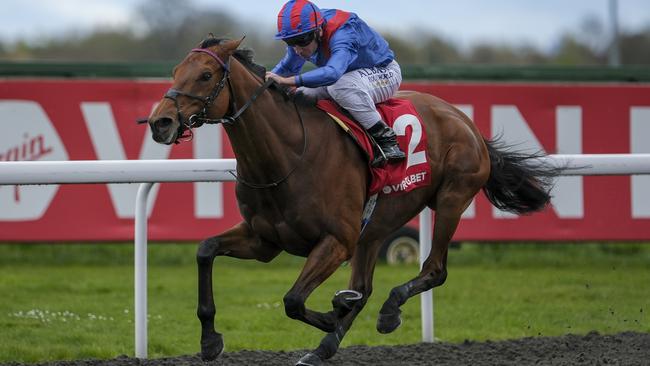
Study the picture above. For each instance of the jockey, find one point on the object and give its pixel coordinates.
(355, 66)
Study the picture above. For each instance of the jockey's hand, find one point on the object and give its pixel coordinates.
(290, 81)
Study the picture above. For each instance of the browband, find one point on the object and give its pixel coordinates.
(214, 56)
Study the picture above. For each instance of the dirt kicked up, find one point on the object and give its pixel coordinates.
(628, 348)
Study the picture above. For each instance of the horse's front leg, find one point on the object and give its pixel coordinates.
(238, 242)
(323, 260)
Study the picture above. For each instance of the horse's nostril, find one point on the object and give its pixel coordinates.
(162, 130)
(163, 122)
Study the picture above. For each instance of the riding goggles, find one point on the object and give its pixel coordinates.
(302, 40)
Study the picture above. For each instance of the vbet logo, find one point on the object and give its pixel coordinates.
(28, 135)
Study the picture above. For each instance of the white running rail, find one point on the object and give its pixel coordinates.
(148, 172)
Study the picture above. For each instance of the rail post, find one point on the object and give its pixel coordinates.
(140, 276)
(426, 298)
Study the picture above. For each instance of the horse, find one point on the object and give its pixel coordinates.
(302, 185)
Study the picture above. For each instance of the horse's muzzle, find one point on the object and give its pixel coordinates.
(163, 131)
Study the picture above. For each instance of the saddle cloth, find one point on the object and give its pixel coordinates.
(400, 114)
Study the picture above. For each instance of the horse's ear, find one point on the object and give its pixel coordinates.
(232, 45)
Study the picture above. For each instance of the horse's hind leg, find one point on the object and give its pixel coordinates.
(238, 242)
(450, 206)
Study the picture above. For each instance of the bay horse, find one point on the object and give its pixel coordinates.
(302, 185)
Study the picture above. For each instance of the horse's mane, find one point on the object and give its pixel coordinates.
(245, 56)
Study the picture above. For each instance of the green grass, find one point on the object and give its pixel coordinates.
(76, 301)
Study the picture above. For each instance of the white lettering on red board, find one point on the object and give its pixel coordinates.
(32, 136)
(27, 134)
(208, 197)
(507, 122)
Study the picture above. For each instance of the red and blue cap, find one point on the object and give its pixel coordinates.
(298, 17)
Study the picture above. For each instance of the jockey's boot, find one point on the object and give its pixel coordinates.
(386, 139)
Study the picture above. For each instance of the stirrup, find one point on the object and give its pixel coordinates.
(384, 158)
(396, 158)
(380, 158)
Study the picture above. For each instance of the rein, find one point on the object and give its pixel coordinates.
(277, 182)
(198, 119)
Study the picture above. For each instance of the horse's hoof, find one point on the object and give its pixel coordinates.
(309, 359)
(211, 346)
(344, 301)
(387, 323)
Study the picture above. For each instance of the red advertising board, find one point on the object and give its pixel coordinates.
(93, 119)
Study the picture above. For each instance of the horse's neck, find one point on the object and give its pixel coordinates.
(267, 139)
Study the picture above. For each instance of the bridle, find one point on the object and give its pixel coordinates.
(201, 118)
(198, 119)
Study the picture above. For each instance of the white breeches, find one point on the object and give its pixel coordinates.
(359, 90)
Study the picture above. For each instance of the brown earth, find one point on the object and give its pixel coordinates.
(628, 348)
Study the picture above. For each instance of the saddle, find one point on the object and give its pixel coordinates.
(402, 177)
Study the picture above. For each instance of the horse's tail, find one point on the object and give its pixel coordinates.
(519, 182)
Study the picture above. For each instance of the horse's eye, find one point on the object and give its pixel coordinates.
(206, 76)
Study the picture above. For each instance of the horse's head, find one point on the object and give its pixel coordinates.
(196, 93)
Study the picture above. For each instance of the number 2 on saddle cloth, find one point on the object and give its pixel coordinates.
(412, 172)
(390, 179)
